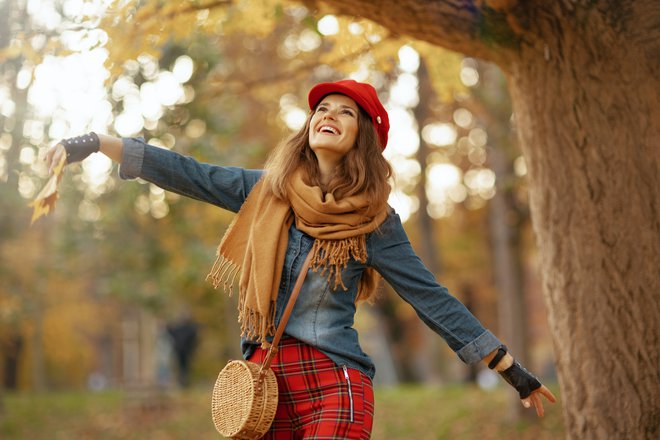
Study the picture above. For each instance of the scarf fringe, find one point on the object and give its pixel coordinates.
(254, 325)
(329, 256)
(332, 256)
(224, 271)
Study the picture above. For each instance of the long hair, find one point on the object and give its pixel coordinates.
(363, 170)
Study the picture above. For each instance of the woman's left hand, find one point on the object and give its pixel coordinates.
(528, 386)
(535, 400)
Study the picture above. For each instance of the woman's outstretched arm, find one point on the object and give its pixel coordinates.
(392, 255)
(226, 187)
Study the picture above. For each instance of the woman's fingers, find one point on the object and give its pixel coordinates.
(53, 156)
(547, 393)
(534, 399)
(538, 404)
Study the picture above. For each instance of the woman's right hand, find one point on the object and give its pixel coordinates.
(54, 156)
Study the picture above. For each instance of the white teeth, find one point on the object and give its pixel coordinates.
(327, 128)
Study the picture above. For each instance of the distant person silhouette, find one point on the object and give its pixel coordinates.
(184, 334)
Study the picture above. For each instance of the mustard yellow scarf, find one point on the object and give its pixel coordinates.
(255, 244)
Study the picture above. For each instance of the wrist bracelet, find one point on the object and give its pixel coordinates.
(79, 147)
(522, 380)
(498, 357)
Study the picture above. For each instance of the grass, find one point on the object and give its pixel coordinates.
(409, 412)
(459, 412)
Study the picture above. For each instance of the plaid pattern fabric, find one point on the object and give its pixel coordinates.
(316, 400)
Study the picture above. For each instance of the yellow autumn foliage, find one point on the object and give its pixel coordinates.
(55, 313)
(444, 67)
(359, 44)
(69, 326)
(144, 27)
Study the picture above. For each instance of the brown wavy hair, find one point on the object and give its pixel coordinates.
(363, 170)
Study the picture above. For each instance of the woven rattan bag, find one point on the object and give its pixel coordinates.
(245, 394)
(244, 404)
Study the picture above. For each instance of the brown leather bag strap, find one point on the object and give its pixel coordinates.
(273, 349)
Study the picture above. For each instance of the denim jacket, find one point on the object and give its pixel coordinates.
(322, 317)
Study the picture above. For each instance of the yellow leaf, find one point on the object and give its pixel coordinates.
(44, 203)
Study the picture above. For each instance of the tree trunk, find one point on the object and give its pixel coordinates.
(492, 107)
(507, 267)
(587, 110)
(374, 337)
(584, 81)
(427, 353)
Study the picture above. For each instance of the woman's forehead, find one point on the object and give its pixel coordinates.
(339, 99)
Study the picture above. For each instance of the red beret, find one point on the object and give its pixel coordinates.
(363, 94)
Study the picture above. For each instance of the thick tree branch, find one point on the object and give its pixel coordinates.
(487, 29)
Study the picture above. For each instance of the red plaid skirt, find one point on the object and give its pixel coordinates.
(317, 398)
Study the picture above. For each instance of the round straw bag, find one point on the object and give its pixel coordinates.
(244, 404)
(245, 393)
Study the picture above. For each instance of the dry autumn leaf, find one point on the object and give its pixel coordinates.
(44, 203)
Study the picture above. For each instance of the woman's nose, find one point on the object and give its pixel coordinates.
(330, 113)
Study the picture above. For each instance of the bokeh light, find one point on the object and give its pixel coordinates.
(328, 25)
(439, 134)
(408, 59)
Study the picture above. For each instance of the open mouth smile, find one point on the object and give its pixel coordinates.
(328, 129)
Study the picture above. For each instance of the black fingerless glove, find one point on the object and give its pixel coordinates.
(522, 380)
(79, 147)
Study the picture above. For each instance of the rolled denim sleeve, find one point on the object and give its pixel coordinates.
(226, 187)
(392, 255)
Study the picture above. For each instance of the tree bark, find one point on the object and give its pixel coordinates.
(583, 76)
(478, 28)
(585, 107)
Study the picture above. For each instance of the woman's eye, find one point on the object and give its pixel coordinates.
(348, 112)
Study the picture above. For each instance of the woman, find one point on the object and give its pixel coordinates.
(323, 191)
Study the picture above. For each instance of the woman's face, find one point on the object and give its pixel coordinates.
(333, 128)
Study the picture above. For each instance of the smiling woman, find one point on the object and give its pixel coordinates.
(333, 130)
(321, 199)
